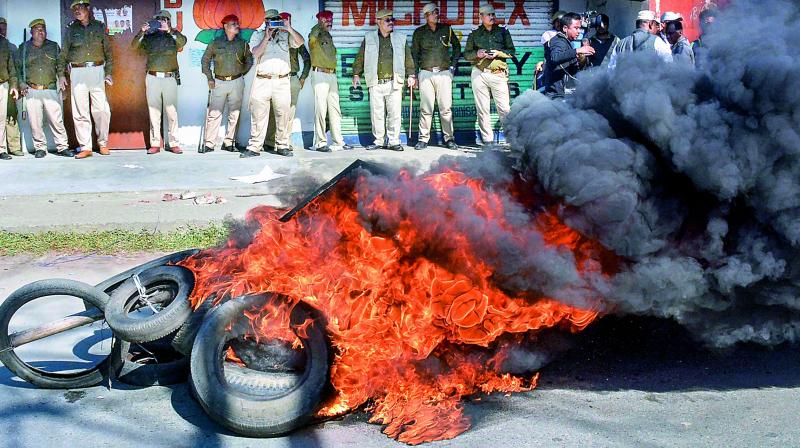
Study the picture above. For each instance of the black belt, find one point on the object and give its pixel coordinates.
(272, 76)
(86, 64)
(292, 73)
(229, 78)
(4, 81)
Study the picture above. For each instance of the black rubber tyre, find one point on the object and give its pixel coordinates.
(55, 380)
(174, 371)
(184, 338)
(108, 285)
(168, 320)
(260, 383)
(255, 412)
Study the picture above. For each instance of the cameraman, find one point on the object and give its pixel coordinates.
(603, 42)
(561, 64)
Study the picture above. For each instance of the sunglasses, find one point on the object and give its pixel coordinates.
(389, 20)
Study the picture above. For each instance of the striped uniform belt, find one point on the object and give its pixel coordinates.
(229, 78)
(495, 71)
(324, 70)
(161, 74)
(272, 76)
(86, 64)
(37, 86)
(437, 69)
(385, 80)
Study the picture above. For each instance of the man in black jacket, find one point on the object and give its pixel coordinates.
(561, 65)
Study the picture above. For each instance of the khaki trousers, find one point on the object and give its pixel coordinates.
(435, 87)
(483, 84)
(162, 91)
(384, 103)
(3, 116)
(13, 137)
(88, 90)
(224, 93)
(269, 94)
(46, 104)
(295, 93)
(326, 105)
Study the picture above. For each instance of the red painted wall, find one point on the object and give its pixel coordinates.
(690, 9)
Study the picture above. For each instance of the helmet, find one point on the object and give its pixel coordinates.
(558, 15)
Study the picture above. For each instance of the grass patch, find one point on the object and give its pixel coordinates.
(112, 241)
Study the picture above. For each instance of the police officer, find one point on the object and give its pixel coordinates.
(39, 67)
(385, 61)
(435, 49)
(161, 47)
(271, 85)
(488, 47)
(8, 84)
(326, 87)
(86, 54)
(297, 83)
(232, 59)
(13, 137)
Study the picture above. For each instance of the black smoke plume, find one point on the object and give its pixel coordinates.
(692, 175)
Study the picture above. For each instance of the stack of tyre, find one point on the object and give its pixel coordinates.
(158, 339)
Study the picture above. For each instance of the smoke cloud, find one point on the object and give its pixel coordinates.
(691, 175)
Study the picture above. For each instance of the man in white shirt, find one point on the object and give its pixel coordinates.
(645, 38)
(271, 83)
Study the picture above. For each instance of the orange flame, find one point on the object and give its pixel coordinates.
(415, 329)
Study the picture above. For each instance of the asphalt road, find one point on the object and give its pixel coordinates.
(625, 382)
(125, 189)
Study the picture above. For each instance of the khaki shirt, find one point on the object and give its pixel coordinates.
(161, 49)
(87, 44)
(385, 59)
(230, 57)
(497, 39)
(42, 64)
(438, 48)
(323, 51)
(8, 70)
(295, 62)
(276, 59)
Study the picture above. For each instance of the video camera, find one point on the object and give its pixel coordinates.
(590, 19)
(278, 23)
(155, 25)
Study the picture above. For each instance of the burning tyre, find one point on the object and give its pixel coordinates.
(164, 290)
(108, 285)
(255, 402)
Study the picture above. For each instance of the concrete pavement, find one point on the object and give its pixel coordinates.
(627, 382)
(124, 190)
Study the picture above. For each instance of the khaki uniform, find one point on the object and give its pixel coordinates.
(43, 100)
(161, 80)
(294, 80)
(326, 88)
(489, 76)
(8, 80)
(86, 55)
(385, 82)
(271, 91)
(13, 136)
(231, 59)
(434, 52)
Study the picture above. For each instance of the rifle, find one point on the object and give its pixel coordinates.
(24, 71)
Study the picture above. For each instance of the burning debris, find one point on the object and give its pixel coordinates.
(662, 192)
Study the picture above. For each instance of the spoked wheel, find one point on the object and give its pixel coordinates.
(265, 398)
